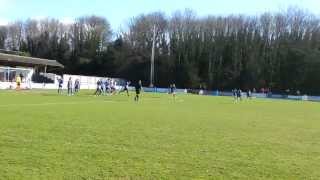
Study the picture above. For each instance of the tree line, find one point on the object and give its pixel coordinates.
(279, 51)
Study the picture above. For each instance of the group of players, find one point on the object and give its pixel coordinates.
(104, 87)
(237, 94)
(73, 88)
(108, 86)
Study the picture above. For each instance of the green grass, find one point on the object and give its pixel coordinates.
(47, 136)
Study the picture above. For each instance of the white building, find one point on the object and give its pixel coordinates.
(32, 70)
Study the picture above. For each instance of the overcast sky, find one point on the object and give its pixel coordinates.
(119, 11)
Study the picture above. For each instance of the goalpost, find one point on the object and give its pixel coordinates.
(8, 76)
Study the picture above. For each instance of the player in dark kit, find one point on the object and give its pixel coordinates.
(239, 94)
(173, 91)
(60, 82)
(106, 86)
(98, 90)
(234, 92)
(125, 88)
(249, 94)
(76, 86)
(138, 88)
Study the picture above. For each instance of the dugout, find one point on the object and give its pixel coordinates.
(31, 68)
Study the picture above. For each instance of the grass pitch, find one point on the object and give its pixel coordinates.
(47, 136)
